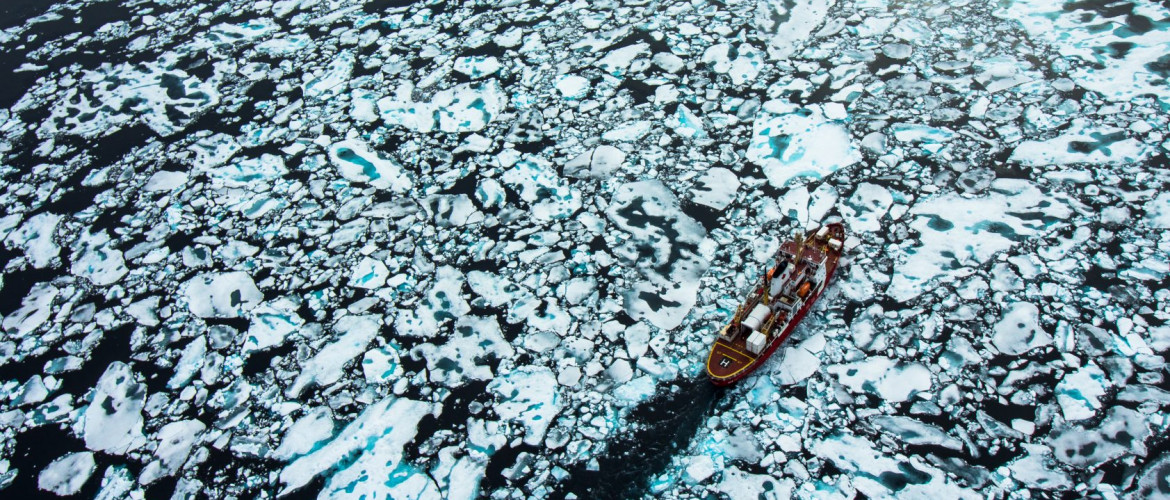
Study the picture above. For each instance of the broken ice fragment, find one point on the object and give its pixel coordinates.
(597, 163)
(327, 366)
(528, 395)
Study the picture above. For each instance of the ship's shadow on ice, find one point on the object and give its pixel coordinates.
(659, 429)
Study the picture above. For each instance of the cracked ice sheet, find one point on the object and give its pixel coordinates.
(164, 98)
(668, 248)
(879, 476)
(790, 142)
(959, 234)
(1076, 30)
(1083, 142)
(467, 107)
(530, 396)
(368, 453)
(892, 380)
(787, 24)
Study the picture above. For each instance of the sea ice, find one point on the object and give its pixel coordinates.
(113, 421)
(35, 236)
(1019, 330)
(272, 323)
(369, 448)
(358, 163)
(664, 246)
(892, 380)
(467, 107)
(306, 433)
(958, 233)
(174, 446)
(1079, 393)
(466, 354)
(597, 163)
(354, 334)
(222, 295)
(98, 261)
(790, 142)
(530, 396)
(35, 309)
(66, 475)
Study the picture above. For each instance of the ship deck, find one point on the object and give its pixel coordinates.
(728, 359)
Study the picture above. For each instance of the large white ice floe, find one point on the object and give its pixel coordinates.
(358, 163)
(444, 302)
(113, 421)
(466, 354)
(1083, 143)
(222, 295)
(34, 311)
(787, 25)
(548, 195)
(1018, 330)
(878, 475)
(35, 237)
(174, 442)
(325, 368)
(790, 142)
(66, 475)
(889, 379)
(164, 98)
(98, 261)
(1096, 36)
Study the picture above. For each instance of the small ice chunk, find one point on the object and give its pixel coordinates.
(66, 475)
(222, 295)
(370, 273)
(572, 87)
